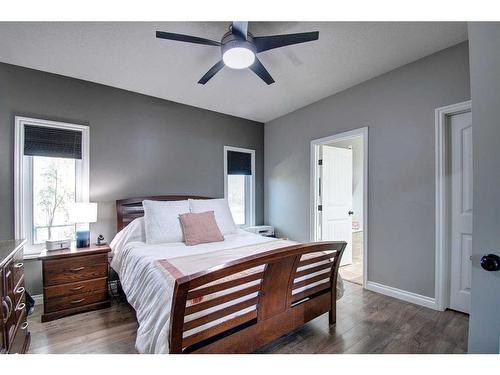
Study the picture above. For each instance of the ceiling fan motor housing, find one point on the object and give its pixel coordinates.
(230, 40)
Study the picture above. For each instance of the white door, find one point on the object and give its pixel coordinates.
(336, 198)
(461, 211)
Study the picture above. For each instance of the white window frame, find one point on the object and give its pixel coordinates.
(252, 194)
(23, 197)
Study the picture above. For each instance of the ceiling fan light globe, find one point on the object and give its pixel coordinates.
(238, 57)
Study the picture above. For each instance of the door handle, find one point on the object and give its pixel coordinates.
(351, 213)
(490, 262)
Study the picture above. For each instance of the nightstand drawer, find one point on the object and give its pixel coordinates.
(69, 302)
(62, 271)
(72, 289)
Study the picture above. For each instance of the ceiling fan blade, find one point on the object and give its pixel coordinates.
(262, 72)
(240, 28)
(213, 71)
(264, 43)
(186, 38)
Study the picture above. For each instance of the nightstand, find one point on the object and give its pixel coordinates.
(263, 230)
(74, 281)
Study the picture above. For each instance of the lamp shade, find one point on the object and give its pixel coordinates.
(84, 212)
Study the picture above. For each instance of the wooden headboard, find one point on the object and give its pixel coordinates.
(131, 208)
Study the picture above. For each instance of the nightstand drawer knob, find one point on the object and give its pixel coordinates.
(18, 265)
(21, 306)
(77, 301)
(20, 290)
(77, 269)
(24, 325)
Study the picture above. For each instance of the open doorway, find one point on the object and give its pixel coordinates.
(338, 197)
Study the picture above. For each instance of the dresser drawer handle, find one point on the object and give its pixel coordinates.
(24, 325)
(18, 265)
(7, 302)
(77, 288)
(6, 311)
(77, 269)
(21, 306)
(77, 301)
(20, 290)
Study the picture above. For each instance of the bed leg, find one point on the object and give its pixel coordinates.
(332, 317)
(332, 314)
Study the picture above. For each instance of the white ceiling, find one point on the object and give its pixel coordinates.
(128, 56)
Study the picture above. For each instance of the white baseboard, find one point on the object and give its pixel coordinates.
(417, 299)
(38, 299)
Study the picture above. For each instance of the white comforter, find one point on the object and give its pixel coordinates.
(147, 289)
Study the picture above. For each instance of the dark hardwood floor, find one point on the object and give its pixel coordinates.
(367, 322)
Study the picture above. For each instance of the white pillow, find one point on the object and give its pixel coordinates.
(221, 210)
(161, 220)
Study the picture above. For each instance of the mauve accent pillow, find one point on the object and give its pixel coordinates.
(200, 228)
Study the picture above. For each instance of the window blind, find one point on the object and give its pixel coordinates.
(52, 142)
(239, 163)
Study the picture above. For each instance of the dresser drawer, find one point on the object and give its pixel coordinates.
(20, 304)
(68, 302)
(19, 292)
(17, 266)
(62, 271)
(19, 342)
(72, 289)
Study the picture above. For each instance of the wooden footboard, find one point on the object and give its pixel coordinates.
(240, 306)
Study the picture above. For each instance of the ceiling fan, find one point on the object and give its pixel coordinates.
(239, 48)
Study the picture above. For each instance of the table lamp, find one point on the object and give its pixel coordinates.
(84, 213)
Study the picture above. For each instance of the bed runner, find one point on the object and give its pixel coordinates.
(174, 268)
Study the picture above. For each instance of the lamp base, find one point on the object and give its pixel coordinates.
(82, 238)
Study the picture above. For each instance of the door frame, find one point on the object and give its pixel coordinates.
(443, 205)
(315, 144)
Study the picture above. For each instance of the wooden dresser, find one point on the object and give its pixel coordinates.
(74, 281)
(14, 333)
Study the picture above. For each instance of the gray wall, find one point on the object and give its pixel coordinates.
(484, 323)
(398, 107)
(139, 145)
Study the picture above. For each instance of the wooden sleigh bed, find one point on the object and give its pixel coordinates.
(277, 309)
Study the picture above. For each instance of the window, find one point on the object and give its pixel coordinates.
(51, 173)
(239, 184)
